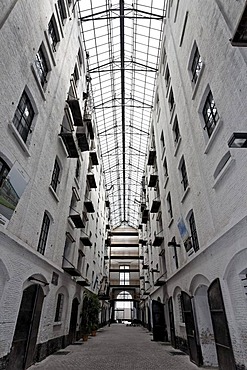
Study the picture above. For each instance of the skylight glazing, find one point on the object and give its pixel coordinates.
(123, 43)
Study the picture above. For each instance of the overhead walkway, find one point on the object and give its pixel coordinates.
(118, 347)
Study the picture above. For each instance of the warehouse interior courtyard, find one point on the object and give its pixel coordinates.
(122, 184)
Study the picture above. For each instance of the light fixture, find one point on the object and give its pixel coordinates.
(238, 140)
(173, 244)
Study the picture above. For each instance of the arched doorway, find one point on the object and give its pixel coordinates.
(73, 321)
(26, 330)
(159, 325)
(220, 326)
(172, 323)
(124, 307)
(191, 330)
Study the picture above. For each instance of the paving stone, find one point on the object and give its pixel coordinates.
(118, 348)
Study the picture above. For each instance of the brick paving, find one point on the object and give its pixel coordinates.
(117, 347)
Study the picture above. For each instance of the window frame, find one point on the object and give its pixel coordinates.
(196, 61)
(3, 168)
(193, 231)
(61, 10)
(54, 35)
(44, 233)
(209, 116)
(59, 307)
(183, 170)
(42, 65)
(55, 179)
(176, 130)
(169, 205)
(23, 104)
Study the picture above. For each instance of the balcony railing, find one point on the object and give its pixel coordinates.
(151, 157)
(158, 239)
(83, 138)
(74, 105)
(69, 142)
(152, 180)
(70, 268)
(155, 205)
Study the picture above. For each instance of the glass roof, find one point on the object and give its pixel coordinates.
(122, 42)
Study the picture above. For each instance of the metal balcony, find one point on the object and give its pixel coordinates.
(87, 119)
(145, 216)
(70, 145)
(155, 206)
(158, 240)
(152, 181)
(151, 157)
(77, 220)
(89, 206)
(83, 138)
(86, 241)
(70, 268)
(94, 158)
(76, 111)
(82, 281)
(91, 181)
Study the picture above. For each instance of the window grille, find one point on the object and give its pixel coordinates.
(169, 205)
(55, 176)
(52, 32)
(196, 65)
(62, 11)
(23, 117)
(210, 114)
(59, 308)
(193, 232)
(41, 66)
(180, 309)
(44, 234)
(176, 131)
(184, 174)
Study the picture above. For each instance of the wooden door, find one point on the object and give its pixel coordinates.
(220, 326)
(193, 342)
(26, 330)
(159, 327)
(172, 324)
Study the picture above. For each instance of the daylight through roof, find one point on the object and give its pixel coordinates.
(122, 43)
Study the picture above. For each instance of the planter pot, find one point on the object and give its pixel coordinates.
(85, 337)
(93, 333)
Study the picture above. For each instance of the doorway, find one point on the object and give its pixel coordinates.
(220, 326)
(172, 324)
(159, 326)
(73, 321)
(26, 330)
(191, 330)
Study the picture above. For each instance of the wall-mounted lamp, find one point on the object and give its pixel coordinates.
(238, 140)
(173, 244)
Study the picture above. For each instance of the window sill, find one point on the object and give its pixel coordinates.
(53, 193)
(195, 86)
(177, 146)
(185, 194)
(166, 181)
(163, 152)
(57, 323)
(213, 136)
(171, 222)
(38, 82)
(223, 172)
(19, 139)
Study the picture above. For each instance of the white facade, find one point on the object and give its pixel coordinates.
(24, 32)
(216, 174)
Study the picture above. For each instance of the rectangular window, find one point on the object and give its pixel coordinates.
(41, 66)
(55, 175)
(59, 308)
(176, 131)
(165, 168)
(184, 174)
(169, 205)
(44, 234)
(162, 139)
(193, 232)
(196, 65)
(53, 33)
(167, 77)
(124, 277)
(184, 27)
(240, 36)
(171, 100)
(210, 114)
(62, 10)
(23, 117)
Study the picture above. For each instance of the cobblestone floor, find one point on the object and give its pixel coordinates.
(117, 347)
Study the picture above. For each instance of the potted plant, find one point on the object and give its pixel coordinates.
(94, 310)
(85, 324)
